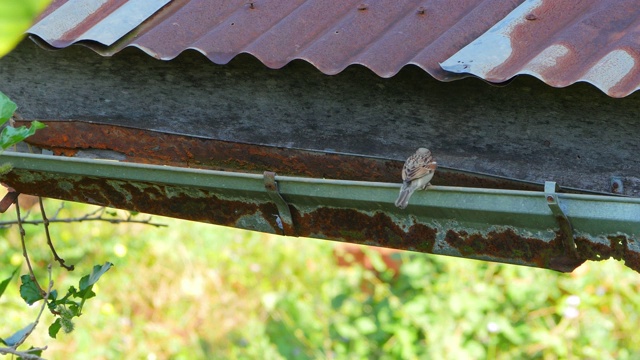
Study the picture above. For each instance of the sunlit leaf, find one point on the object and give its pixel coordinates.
(5, 282)
(53, 295)
(29, 290)
(86, 293)
(7, 107)
(55, 328)
(11, 135)
(97, 272)
(15, 18)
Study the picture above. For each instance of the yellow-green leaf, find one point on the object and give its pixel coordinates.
(16, 16)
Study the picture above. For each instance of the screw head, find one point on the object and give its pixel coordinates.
(616, 185)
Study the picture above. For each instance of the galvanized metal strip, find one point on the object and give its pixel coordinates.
(124, 19)
(71, 14)
(65, 24)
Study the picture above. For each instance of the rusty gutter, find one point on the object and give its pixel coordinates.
(534, 228)
(78, 138)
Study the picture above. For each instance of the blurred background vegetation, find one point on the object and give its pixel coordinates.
(198, 291)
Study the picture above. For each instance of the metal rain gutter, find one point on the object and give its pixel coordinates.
(533, 228)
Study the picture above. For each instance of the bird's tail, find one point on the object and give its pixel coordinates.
(405, 193)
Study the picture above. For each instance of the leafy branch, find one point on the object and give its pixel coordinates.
(19, 337)
(64, 308)
(11, 135)
(71, 304)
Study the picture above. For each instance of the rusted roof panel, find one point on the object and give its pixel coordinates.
(559, 41)
(331, 35)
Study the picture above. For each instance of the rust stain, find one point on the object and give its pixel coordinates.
(618, 248)
(356, 227)
(509, 245)
(182, 203)
(149, 147)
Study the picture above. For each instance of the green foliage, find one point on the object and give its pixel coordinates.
(7, 108)
(64, 309)
(29, 290)
(67, 308)
(200, 291)
(87, 282)
(10, 135)
(15, 18)
(5, 282)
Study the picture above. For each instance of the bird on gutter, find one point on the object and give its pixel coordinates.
(416, 174)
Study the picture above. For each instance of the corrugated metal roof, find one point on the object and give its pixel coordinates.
(558, 41)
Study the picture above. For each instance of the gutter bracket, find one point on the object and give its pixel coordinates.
(9, 199)
(566, 229)
(284, 214)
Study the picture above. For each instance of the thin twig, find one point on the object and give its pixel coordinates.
(55, 216)
(24, 249)
(45, 221)
(83, 218)
(27, 355)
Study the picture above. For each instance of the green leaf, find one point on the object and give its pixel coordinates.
(98, 271)
(5, 282)
(11, 135)
(86, 293)
(16, 17)
(65, 300)
(15, 338)
(7, 107)
(36, 352)
(55, 328)
(53, 295)
(29, 290)
(38, 125)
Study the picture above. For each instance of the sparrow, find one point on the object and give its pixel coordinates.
(416, 174)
